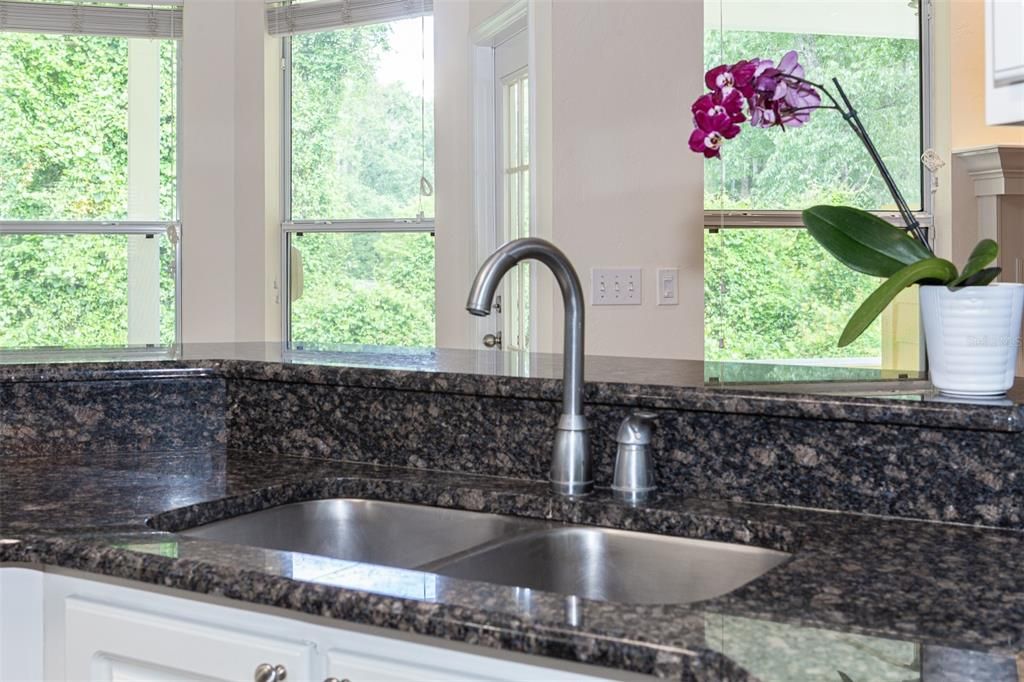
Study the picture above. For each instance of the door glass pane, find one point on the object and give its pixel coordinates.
(515, 218)
(85, 291)
(776, 295)
(365, 288)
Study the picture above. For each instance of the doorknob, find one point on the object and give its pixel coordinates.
(492, 340)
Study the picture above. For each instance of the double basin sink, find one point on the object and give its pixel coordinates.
(585, 561)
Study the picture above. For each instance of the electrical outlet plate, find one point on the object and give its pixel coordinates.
(616, 286)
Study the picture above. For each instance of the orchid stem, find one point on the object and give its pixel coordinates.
(849, 115)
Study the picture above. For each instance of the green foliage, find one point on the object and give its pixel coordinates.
(71, 290)
(357, 154)
(64, 156)
(366, 288)
(776, 294)
(924, 271)
(983, 253)
(823, 162)
(862, 241)
(866, 243)
(356, 142)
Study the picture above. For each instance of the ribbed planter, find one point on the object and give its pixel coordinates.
(972, 336)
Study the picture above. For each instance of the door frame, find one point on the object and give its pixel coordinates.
(484, 38)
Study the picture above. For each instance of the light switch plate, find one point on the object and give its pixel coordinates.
(668, 286)
(616, 286)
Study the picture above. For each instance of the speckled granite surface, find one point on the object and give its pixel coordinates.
(925, 460)
(865, 596)
(847, 393)
(89, 452)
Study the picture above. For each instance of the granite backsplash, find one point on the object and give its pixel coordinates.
(796, 452)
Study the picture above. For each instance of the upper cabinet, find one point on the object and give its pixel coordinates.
(1004, 62)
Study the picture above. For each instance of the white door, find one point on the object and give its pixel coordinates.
(106, 642)
(512, 184)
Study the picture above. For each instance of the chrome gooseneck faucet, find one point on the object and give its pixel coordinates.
(570, 464)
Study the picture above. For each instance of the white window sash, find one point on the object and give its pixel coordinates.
(162, 20)
(286, 19)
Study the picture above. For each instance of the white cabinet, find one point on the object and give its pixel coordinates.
(364, 658)
(1004, 62)
(61, 627)
(105, 642)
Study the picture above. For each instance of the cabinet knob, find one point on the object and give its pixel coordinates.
(270, 673)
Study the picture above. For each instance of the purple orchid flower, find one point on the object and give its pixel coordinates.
(717, 103)
(711, 132)
(724, 78)
(781, 96)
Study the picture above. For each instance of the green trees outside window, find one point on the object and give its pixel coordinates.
(64, 157)
(774, 294)
(362, 136)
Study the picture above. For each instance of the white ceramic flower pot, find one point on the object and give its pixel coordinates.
(972, 336)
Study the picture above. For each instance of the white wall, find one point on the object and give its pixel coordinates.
(229, 201)
(627, 189)
(453, 171)
(622, 188)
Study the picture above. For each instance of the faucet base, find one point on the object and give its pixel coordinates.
(570, 462)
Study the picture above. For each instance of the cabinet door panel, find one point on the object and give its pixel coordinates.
(1007, 45)
(363, 658)
(105, 642)
(1004, 62)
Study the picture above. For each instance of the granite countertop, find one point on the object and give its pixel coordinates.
(804, 391)
(855, 583)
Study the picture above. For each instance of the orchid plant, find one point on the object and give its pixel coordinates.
(770, 95)
(775, 96)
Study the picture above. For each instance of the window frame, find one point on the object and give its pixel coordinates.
(293, 228)
(715, 220)
(172, 229)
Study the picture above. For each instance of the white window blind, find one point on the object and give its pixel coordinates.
(284, 19)
(138, 21)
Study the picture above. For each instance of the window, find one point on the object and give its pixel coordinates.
(771, 293)
(88, 202)
(359, 189)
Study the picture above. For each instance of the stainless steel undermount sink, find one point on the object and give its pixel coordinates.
(589, 562)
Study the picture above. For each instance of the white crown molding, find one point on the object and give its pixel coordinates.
(996, 169)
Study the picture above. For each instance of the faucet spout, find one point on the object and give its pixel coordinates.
(571, 470)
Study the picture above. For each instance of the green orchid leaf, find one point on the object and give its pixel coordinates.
(981, 278)
(930, 270)
(984, 253)
(863, 241)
